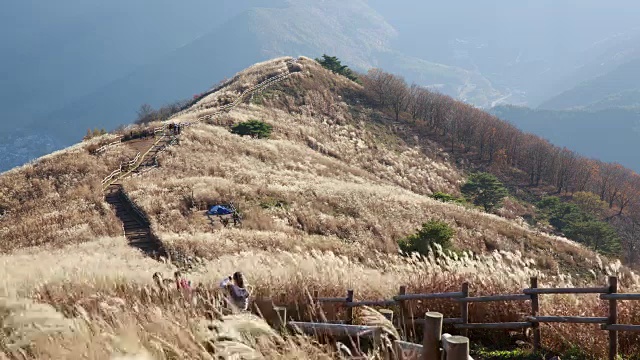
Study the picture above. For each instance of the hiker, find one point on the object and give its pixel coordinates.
(182, 283)
(237, 292)
(236, 218)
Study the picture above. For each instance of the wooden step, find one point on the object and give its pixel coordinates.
(132, 231)
(144, 242)
(133, 224)
(138, 236)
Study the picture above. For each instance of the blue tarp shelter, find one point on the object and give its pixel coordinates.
(219, 210)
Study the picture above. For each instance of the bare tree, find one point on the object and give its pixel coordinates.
(398, 95)
(146, 114)
(377, 83)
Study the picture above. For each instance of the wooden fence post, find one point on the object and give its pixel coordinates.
(432, 336)
(458, 348)
(388, 313)
(535, 311)
(316, 307)
(402, 319)
(613, 318)
(349, 319)
(464, 307)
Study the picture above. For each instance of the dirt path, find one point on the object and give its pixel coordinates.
(136, 225)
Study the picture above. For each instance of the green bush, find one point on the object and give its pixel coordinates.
(484, 189)
(444, 197)
(332, 63)
(253, 128)
(579, 225)
(432, 232)
(518, 354)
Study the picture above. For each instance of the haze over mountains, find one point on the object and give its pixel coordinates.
(79, 64)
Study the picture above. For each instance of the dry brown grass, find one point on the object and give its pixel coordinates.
(348, 189)
(58, 199)
(349, 198)
(112, 283)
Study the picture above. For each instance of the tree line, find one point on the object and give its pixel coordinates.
(469, 131)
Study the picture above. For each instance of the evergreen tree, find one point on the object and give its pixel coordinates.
(333, 63)
(253, 128)
(432, 232)
(485, 190)
(579, 225)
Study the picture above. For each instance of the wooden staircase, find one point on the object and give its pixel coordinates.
(151, 159)
(136, 227)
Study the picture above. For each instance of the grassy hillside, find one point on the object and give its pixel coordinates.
(325, 200)
(358, 34)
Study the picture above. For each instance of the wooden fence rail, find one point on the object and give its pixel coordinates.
(434, 343)
(405, 320)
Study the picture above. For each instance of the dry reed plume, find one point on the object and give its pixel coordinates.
(324, 201)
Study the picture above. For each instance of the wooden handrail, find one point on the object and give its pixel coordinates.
(608, 323)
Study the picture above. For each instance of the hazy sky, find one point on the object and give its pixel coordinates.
(55, 52)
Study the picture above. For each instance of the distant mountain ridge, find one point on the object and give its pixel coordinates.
(353, 31)
(609, 134)
(126, 54)
(619, 87)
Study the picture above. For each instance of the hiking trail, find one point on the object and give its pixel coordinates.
(135, 223)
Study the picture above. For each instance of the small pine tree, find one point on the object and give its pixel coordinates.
(332, 63)
(253, 128)
(485, 190)
(432, 232)
(444, 197)
(598, 235)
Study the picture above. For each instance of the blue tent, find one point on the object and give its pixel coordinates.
(219, 210)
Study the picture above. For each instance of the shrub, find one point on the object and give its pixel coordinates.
(96, 132)
(590, 203)
(444, 197)
(253, 128)
(518, 354)
(579, 225)
(332, 63)
(485, 190)
(432, 232)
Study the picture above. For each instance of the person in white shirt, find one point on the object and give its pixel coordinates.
(239, 296)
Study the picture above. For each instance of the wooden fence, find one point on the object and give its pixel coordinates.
(109, 145)
(128, 167)
(434, 344)
(608, 323)
(253, 89)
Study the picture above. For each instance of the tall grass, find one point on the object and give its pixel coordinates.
(324, 202)
(113, 285)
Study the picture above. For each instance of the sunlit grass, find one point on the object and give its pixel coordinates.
(349, 191)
